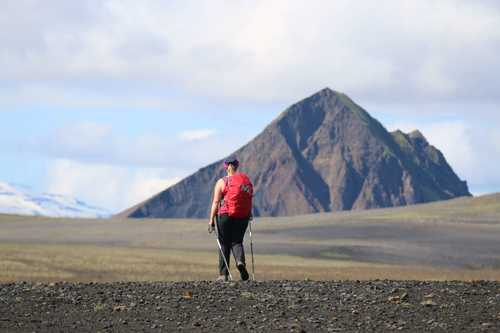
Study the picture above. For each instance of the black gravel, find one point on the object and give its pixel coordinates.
(287, 306)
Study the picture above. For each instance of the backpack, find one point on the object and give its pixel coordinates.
(238, 192)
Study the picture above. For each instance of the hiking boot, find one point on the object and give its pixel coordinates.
(222, 278)
(243, 271)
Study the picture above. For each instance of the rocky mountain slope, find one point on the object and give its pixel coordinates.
(324, 153)
(24, 201)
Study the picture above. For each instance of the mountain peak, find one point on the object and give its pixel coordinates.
(323, 153)
(325, 101)
(417, 135)
(327, 91)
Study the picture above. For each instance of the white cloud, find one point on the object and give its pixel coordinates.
(431, 77)
(86, 137)
(258, 50)
(87, 140)
(119, 54)
(92, 162)
(98, 143)
(196, 134)
(65, 95)
(108, 186)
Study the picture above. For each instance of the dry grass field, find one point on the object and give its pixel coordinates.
(453, 240)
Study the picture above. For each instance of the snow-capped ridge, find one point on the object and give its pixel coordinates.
(22, 200)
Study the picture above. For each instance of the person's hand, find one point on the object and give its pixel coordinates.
(211, 225)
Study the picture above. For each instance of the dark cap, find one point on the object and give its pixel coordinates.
(233, 161)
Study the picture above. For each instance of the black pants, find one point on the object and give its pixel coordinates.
(231, 232)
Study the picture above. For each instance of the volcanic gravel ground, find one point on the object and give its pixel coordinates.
(288, 306)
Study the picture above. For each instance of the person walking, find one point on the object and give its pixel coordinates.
(230, 213)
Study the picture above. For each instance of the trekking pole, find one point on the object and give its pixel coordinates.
(251, 250)
(222, 253)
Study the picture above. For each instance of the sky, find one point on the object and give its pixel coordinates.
(113, 101)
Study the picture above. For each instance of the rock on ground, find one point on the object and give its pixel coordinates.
(286, 306)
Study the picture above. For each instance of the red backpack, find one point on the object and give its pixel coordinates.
(238, 192)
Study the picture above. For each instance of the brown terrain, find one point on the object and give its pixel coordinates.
(111, 266)
(454, 239)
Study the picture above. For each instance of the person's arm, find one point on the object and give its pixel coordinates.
(216, 201)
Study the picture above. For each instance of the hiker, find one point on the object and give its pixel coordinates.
(230, 213)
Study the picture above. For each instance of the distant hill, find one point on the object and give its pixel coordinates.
(324, 153)
(484, 209)
(15, 199)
